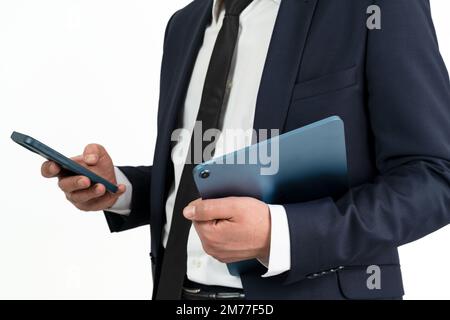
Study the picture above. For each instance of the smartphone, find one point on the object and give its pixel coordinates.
(70, 166)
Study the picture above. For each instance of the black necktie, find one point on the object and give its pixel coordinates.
(173, 268)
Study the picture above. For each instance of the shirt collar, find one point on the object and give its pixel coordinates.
(218, 7)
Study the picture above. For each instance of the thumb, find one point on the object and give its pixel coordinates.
(121, 189)
(207, 210)
(92, 153)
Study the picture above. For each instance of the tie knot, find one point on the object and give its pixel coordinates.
(235, 7)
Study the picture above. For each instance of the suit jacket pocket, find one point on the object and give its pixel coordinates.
(325, 84)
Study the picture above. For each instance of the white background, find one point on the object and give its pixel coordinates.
(65, 61)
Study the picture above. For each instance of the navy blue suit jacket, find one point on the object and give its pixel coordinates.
(392, 90)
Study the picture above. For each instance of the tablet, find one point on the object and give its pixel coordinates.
(301, 165)
(68, 164)
(305, 164)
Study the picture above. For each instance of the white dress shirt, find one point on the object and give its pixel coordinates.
(256, 26)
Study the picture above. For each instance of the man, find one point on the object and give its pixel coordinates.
(283, 64)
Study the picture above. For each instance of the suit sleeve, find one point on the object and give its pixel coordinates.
(409, 106)
(140, 179)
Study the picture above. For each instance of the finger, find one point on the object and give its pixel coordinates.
(50, 169)
(86, 195)
(100, 203)
(204, 228)
(78, 159)
(196, 202)
(92, 153)
(208, 210)
(74, 183)
(189, 210)
(121, 189)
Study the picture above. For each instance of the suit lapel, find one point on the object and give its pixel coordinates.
(197, 23)
(283, 63)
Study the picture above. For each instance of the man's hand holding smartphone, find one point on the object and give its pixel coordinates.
(79, 189)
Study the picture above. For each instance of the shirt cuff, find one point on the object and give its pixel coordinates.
(123, 203)
(280, 243)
